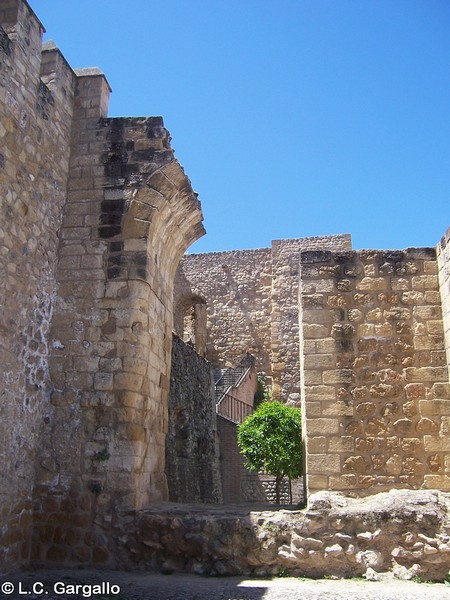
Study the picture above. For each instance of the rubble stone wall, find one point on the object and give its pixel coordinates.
(251, 298)
(375, 381)
(236, 287)
(192, 451)
(36, 105)
(403, 531)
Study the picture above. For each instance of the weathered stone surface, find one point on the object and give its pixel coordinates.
(192, 457)
(99, 214)
(335, 535)
(79, 203)
(382, 367)
(251, 300)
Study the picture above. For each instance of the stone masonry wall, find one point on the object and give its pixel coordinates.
(375, 383)
(238, 483)
(192, 452)
(284, 330)
(406, 532)
(96, 214)
(443, 255)
(36, 105)
(236, 287)
(129, 217)
(252, 305)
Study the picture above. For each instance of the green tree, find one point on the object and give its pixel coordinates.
(270, 440)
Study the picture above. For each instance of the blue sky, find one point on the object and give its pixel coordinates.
(292, 118)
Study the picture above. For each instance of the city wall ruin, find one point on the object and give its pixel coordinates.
(250, 304)
(375, 377)
(96, 216)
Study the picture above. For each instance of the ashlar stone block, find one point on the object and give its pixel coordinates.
(324, 464)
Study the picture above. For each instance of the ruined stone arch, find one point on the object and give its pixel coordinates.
(143, 216)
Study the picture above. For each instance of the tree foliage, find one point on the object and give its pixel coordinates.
(270, 440)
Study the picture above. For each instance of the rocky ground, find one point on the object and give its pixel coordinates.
(54, 585)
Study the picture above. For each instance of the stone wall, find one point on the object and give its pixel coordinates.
(96, 215)
(236, 287)
(192, 452)
(375, 382)
(404, 532)
(284, 329)
(443, 255)
(129, 216)
(36, 105)
(251, 299)
(238, 483)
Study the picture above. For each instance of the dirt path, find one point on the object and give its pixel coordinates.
(53, 585)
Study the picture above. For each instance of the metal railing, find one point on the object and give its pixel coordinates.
(233, 376)
(233, 409)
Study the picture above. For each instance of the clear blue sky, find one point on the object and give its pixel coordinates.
(292, 118)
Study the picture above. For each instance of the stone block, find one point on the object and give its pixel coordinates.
(325, 346)
(435, 443)
(433, 298)
(313, 331)
(430, 267)
(426, 374)
(425, 282)
(441, 390)
(336, 376)
(323, 464)
(356, 464)
(321, 426)
(343, 482)
(312, 377)
(341, 444)
(434, 408)
(319, 361)
(317, 482)
(415, 391)
(437, 482)
(428, 342)
(312, 409)
(317, 445)
(426, 425)
(128, 381)
(372, 284)
(316, 316)
(427, 313)
(104, 381)
(337, 409)
(319, 393)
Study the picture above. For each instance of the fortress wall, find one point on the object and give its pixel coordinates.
(130, 215)
(236, 287)
(443, 256)
(192, 453)
(252, 305)
(36, 103)
(284, 329)
(375, 391)
(96, 214)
